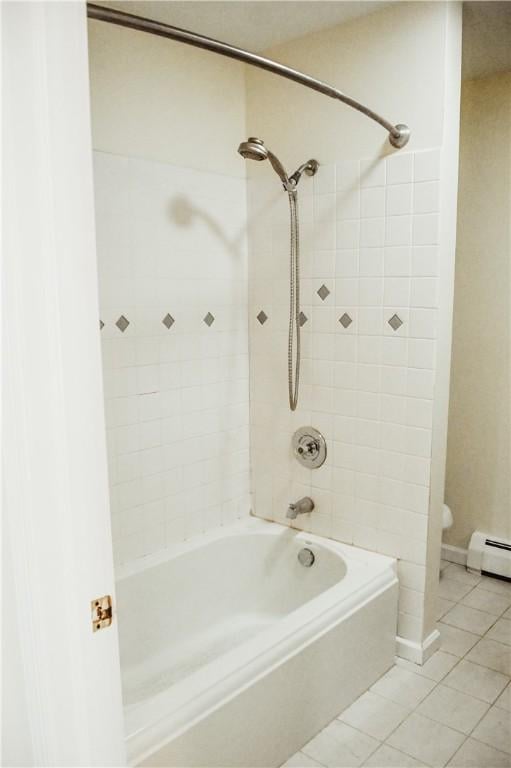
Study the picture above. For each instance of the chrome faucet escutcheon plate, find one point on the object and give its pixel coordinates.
(309, 447)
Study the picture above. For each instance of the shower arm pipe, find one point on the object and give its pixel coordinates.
(398, 134)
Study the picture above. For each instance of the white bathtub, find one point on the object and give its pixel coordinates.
(235, 654)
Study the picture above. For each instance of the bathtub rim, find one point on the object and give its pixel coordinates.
(252, 525)
(162, 717)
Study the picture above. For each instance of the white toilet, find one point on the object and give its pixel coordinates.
(447, 519)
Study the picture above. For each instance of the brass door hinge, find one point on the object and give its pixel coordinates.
(101, 612)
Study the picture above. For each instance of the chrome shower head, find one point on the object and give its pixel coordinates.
(253, 149)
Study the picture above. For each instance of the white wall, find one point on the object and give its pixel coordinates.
(176, 398)
(391, 60)
(165, 101)
(478, 466)
(171, 220)
(372, 234)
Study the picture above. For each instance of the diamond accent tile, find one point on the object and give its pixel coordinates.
(101, 325)
(302, 317)
(345, 320)
(122, 323)
(262, 317)
(395, 322)
(209, 319)
(168, 321)
(323, 292)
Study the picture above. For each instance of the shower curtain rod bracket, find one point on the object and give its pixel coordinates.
(400, 137)
(398, 134)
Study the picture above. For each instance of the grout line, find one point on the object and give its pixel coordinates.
(504, 754)
(441, 682)
(496, 618)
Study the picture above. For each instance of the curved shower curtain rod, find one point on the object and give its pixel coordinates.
(398, 134)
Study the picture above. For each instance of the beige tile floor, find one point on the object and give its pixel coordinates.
(455, 710)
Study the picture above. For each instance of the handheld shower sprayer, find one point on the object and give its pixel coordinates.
(255, 149)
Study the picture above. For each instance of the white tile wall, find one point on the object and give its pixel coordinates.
(172, 240)
(370, 235)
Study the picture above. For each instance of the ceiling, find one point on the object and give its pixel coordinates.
(260, 24)
(251, 24)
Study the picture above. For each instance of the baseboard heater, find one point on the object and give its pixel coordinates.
(489, 555)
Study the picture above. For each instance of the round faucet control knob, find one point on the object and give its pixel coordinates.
(309, 447)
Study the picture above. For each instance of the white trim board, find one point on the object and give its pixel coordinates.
(416, 652)
(64, 689)
(454, 554)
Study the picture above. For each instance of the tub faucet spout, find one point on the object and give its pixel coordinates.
(300, 507)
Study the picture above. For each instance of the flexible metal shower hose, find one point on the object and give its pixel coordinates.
(294, 303)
